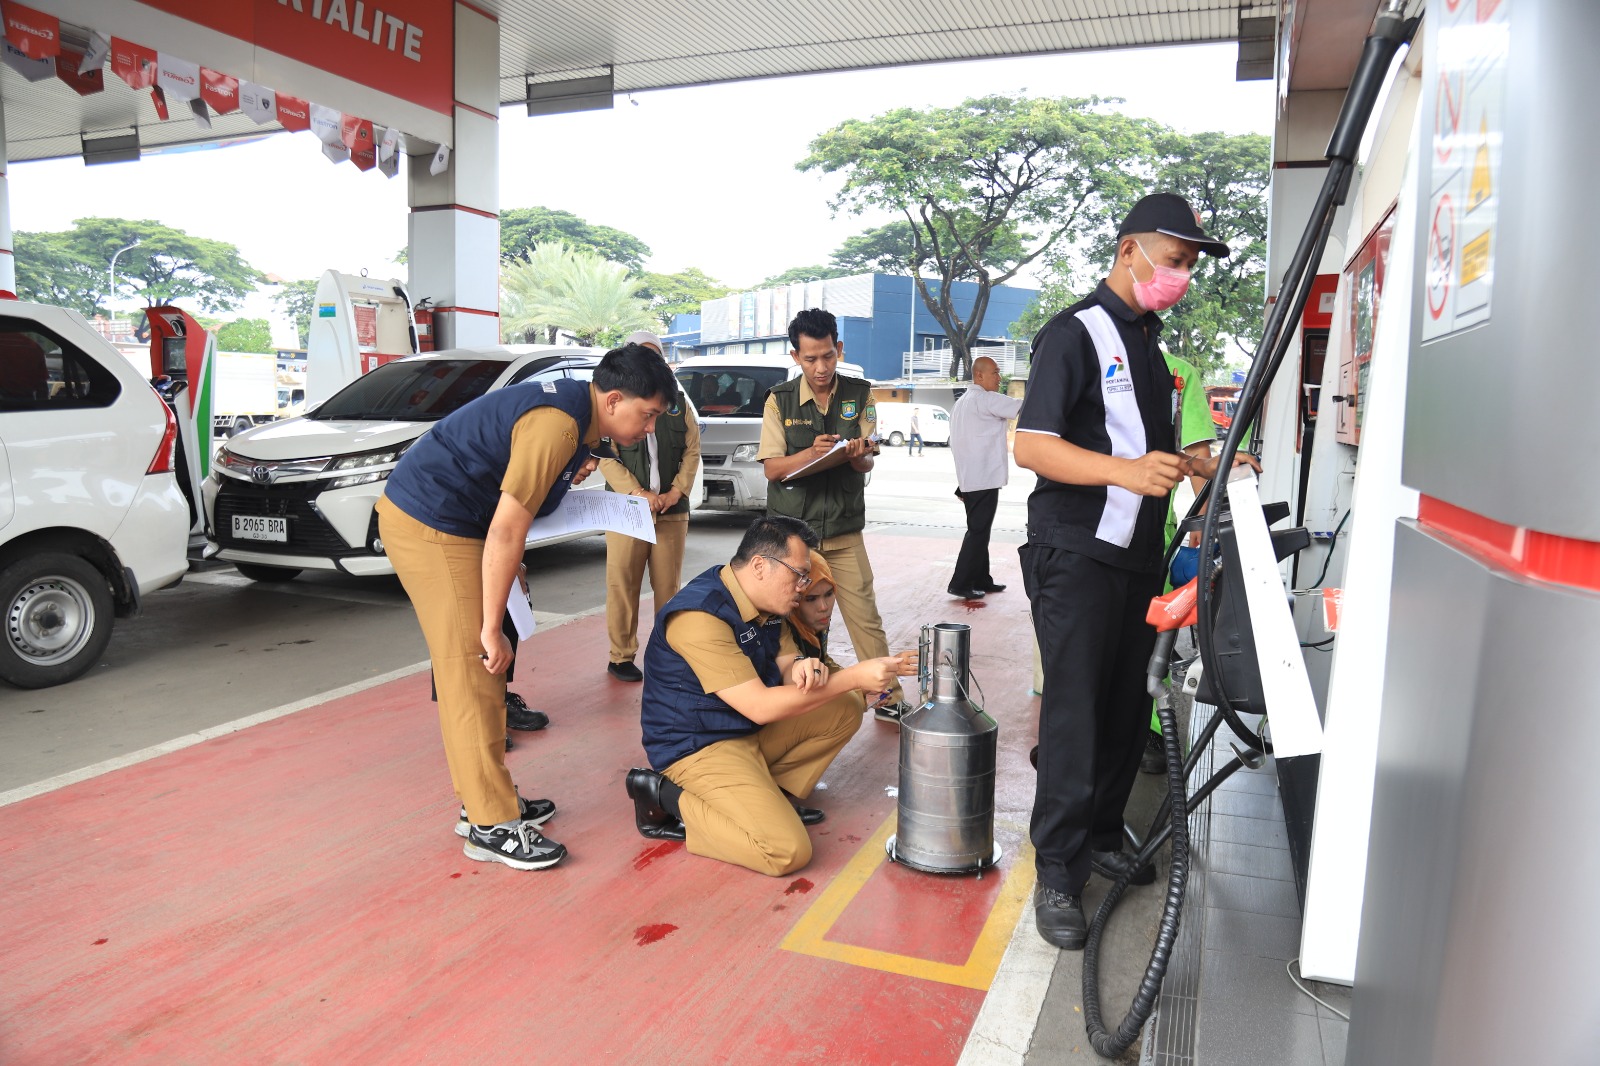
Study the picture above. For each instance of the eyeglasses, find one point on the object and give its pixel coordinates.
(802, 577)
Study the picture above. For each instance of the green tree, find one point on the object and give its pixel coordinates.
(574, 290)
(680, 293)
(71, 267)
(810, 273)
(298, 299)
(245, 335)
(524, 228)
(985, 188)
(1225, 178)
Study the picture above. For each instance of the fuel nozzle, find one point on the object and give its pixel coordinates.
(1168, 614)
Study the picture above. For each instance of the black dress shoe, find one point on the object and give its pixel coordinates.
(1059, 918)
(809, 815)
(520, 716)
(994, 588)
(965, 594)
(625, 671)
(651, 819)
(1111, 865)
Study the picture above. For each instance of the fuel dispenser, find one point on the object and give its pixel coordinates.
(357, 324)
(182, 368)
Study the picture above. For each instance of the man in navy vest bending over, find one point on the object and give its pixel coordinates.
(454, 520)
(733, 746)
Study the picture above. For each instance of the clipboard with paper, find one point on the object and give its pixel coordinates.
(833, 457)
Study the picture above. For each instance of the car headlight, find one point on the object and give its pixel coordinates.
(363, 462)
(745, 453)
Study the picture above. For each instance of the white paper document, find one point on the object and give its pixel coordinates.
(521, 610)
(614, 512)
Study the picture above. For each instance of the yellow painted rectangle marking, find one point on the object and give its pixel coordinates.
(809, 935)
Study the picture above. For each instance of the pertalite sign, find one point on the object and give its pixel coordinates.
(405, 48)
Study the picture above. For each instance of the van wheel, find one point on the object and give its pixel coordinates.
(57, 614)
(257, 572)
(896, 439)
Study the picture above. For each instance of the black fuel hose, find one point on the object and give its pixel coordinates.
(1389, 32)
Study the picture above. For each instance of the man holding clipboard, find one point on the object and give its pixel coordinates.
(817, 446)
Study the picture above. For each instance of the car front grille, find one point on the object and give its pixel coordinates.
(309, 532)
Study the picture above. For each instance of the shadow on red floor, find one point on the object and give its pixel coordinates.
(293, 892)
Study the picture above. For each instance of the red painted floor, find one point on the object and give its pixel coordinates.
(294, 893)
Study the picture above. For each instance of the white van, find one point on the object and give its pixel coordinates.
(894, 423)
(92, 516)
(730, 392)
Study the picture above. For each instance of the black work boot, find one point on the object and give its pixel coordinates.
(1059, 918)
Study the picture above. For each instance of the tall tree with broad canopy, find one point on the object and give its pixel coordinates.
(820, 272)
(523, 229)
(680, 293)
(1225, 178)
(71, 268)
(985, 188)
(245, 335)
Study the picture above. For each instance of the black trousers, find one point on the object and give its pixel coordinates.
(1095, 646)
(972, 565)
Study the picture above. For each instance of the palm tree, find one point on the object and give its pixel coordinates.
(571, 289)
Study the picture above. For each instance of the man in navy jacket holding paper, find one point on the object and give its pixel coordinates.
(454, 520)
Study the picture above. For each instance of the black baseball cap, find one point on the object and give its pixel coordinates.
(1169, 213)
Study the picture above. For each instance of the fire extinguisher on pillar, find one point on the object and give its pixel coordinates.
(422, 317)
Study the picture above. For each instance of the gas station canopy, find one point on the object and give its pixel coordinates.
(656, 44)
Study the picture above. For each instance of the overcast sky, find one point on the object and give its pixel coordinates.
(704, 176)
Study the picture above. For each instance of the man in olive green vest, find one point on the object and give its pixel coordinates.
(805, 418)
(662, 469)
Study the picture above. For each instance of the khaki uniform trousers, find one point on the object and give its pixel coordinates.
(852, 573)
(626, 561)
(733, 804)
(443, 576)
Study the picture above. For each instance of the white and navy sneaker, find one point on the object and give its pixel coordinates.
(518, 845)
(534, 812)
(892, 712)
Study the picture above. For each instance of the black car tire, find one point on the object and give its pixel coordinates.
(57, 614)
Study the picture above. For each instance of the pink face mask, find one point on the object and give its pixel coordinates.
(1164, 289)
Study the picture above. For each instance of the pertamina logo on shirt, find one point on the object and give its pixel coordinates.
(1117, 379)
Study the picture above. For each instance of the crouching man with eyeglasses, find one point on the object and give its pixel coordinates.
(738, 733)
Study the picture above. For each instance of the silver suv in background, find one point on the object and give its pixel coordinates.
(730, 392)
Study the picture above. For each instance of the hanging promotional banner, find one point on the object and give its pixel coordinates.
(27, 66)
(389, 167)
(34, 33)
(95, 57)
(293, 113)
(364, 159)
(441, 160)
(388, 143)
(84, 83)
(259, 102)
(325, 124)
(178, 78)
(356, 134)
(159, 98)
(221, 91)
(134, 64)
(405, 48)
(336, 152)
(202, 117)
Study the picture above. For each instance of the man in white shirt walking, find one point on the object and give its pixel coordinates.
(978, 443)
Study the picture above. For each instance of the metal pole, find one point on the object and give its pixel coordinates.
(111, 278)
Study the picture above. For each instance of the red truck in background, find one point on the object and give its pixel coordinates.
(1224, 401)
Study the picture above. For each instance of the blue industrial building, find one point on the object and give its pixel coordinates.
(874, 312)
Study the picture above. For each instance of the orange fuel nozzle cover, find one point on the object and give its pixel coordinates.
(1176, 609)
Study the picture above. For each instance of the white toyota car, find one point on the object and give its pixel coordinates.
(299, 494)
